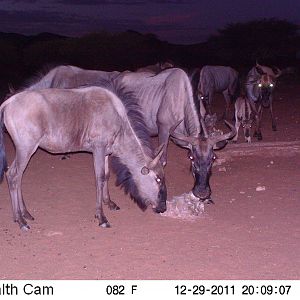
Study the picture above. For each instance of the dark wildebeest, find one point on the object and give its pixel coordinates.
(112, 124)
(167, 100)
(243, 116)
(218, 79)
(260, 83)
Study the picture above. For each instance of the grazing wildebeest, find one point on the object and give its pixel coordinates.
(218, 79)
(260, 83)
(167, 102)
(243, 115)
(92, 119)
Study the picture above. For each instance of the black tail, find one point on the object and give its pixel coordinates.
(3, 162)
(237, 90)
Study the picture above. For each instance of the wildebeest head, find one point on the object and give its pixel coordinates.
(266, 83)
(202, 156)
(153, 174)
(247, 125)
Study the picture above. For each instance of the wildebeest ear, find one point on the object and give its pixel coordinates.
(145, 170)
(259, 70)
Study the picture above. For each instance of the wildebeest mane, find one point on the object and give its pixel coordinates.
(124, 176)
(31, 81)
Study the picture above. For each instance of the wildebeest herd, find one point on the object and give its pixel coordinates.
(114, 114)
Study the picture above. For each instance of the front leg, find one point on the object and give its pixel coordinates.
(163, 138)
(258, 116)
(274, 126)
(99, 167)
(112, 205)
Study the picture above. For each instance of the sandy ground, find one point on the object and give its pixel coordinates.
(247, 234)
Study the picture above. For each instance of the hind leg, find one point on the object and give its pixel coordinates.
(227, 104)
(106, 197)
(14, 179)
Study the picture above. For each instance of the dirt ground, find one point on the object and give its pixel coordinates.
(247, 234)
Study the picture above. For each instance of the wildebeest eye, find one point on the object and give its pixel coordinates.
(271, 84)
(260, 85)
(158, 180)
(202, 97)
(191, 157)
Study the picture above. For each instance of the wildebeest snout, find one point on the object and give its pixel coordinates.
(203, 194)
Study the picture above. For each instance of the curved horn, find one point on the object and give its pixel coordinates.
(188, 139)
(155, 161)
(215, 139)
(204, 127)
(279, 72)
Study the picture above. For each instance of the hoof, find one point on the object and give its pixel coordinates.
(259, 137)
(233, 142)
(274, 128)
(255, 134)
(105, 225)
(25, 227)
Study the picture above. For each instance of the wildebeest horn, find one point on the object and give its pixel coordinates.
(215, 139)
(278, 72)
(188, 139)
(203, 127)
(156, 159)
(11, 88)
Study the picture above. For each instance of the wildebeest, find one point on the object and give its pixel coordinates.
(244, 117)
(260, 83)
(67, 76)
(167, 102)
(166, 99)
(92, 119)
(218, 79)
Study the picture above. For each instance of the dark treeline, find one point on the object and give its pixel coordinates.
(268, 41)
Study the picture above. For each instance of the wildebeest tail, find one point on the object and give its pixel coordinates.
(3, 161)
(237, 89)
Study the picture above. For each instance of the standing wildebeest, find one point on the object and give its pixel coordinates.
(260, 83)
(92, 119)
(71, 77)
(167, 102)
(243, 115)
(218, 79)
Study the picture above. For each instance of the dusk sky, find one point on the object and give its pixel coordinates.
(182, 22)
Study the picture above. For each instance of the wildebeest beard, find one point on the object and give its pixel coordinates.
(265, 96)
(126, 181)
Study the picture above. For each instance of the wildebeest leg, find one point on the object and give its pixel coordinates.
(163, 138)
(237, 126)
(106, 197)
(258, 117)
(274, 127)
(14, 179)
(227, 104)
(99, 166)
